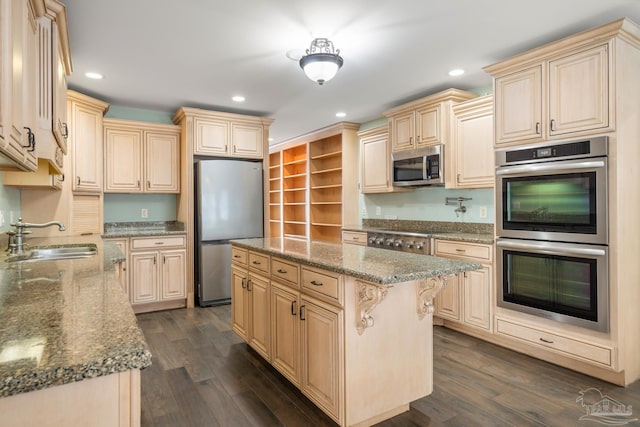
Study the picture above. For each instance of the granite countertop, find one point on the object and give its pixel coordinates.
(141, 229)
(63, 321)
(372, 264)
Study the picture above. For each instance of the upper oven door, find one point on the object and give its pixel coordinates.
(557, 200)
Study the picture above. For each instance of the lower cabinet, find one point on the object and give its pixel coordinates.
(154, 272)
(467, 298)
(285, 331)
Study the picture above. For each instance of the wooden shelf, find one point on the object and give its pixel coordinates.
(294, 162)
(295, 176)
(320, 224)
(327, 171)
(326, 203)
(327, 155)
(320, 187)
(295, 222)
(296, 236)
(295, 204)
(295, 189)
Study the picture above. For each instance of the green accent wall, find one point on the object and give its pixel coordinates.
(9, 205)
(127, 207)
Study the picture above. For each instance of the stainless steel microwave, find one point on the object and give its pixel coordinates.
(418, 167)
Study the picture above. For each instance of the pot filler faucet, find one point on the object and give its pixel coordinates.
(16, 237)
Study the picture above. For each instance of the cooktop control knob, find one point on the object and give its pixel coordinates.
(419, 245)
(389, 242)
(397, 243)
(410, 244)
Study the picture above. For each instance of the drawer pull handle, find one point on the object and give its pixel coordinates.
(461, 250)
(281, 271)
(237, 256)
(256, 262)
(314, 283)
(293, 308)
(546, 341)
(159, 243)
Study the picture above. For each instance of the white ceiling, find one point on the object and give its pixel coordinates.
(163, 54)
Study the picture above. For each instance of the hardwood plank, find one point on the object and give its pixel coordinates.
(255, 410)
(222, 406)
(193, 409)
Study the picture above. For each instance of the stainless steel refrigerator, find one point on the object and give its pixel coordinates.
(229, 205)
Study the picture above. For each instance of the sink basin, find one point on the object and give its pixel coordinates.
(58, 252)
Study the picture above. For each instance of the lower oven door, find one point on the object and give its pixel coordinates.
(561, 281)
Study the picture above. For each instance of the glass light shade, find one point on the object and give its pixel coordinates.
(321, 67)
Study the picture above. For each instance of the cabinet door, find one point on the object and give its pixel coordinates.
(260, 337)
(123, 160)
(518, 106)
(428, 129)
(285, 332)
(29, 90)
(473, 149)
(174, 274)
(144, 277)
(59, 107)
(448, 300)
(162, 162)
(246, 140)
(402, 129)
(579, 92)
(18, 25)
(239, 302)
(212, 137)
(123, 271)
(321, 354)
(477, 298)
(375, 164)
(87, 149)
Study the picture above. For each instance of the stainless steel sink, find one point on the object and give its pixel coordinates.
(56, 253)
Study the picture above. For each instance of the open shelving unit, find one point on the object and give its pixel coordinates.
(294, 192)
(319, 182)
(275, 194)
(325, 183)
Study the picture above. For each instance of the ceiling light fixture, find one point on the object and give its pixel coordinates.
(456, 72)
(341, 114)
(322, 61)
(238, 98)
(93, 75)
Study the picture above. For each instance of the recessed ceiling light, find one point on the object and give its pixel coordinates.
(456, 72)
(93, 75)
(238, 98)
(341, 114)
(270, 139)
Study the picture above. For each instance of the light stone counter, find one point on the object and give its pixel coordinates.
(65, 321)
(371, 264)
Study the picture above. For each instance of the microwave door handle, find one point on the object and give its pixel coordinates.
(551, 249)
(550, 167)
(426, 168)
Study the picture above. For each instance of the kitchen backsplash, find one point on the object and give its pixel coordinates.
(428, 204)
(9, 205)
(130, 207)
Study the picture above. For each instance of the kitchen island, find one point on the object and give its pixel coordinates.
(70, 348)
(351, 326)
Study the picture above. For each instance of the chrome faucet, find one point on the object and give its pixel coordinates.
(17, 247)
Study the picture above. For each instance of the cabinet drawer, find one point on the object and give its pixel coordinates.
(459, 249)
(285, 271)
(239, 256)
(157, 242)
(259, 262)
(354, 237)
(570, 347)
(321, 283)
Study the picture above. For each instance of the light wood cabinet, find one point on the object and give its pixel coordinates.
(354, 237)
(564, 94)
(228, 137)
(375, 161)
(285, 331)
(275, 194)
(86, 139)
(240, 302)
(467, 300)
(425, 121)
(157, 277)
(319, 184)
(17, 85)
(123, 273)
(141, 157)
(470, 162)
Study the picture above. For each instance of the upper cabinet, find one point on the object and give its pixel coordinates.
(228, 135)
(375, 161)
(17, 85)
(85, 134)
(470, 163)
(141, 157)
(555, 93)
(425, 121)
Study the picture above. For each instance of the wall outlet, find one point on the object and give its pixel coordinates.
(483, 211)
(378, 210)
(144, 213)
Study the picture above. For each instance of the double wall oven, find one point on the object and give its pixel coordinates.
(551, 223)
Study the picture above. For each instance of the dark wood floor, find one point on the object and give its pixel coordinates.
(203, 375)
